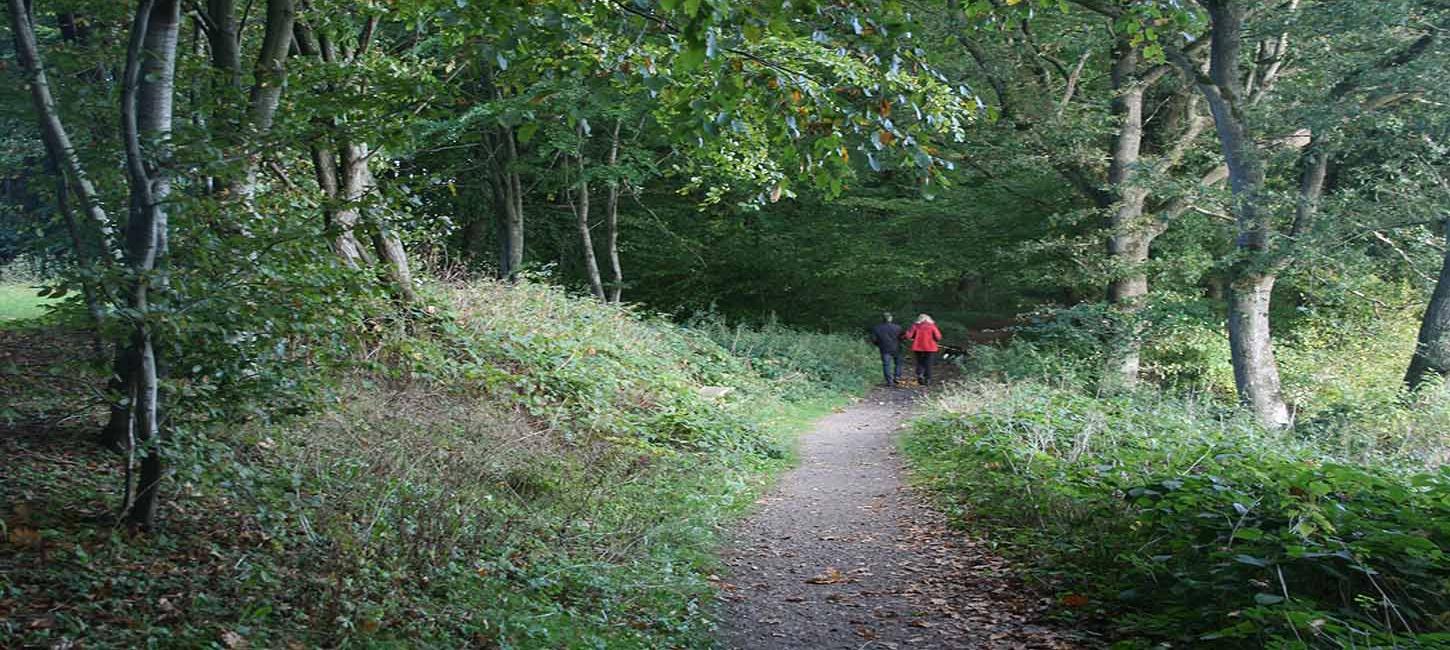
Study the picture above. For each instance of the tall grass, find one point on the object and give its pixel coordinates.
(1180, 520)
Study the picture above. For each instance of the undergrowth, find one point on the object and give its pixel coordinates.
(1179, 521)
(517, 468)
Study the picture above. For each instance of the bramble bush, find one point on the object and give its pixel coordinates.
(1178, 520)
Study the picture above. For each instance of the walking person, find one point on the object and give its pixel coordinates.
(886, 335)
(924, 336)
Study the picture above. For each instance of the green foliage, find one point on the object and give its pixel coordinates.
(1185, 523)
(517, 467)
(805, 365)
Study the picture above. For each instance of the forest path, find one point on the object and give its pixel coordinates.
(842, 554)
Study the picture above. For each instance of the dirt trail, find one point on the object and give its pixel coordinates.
(843, 555)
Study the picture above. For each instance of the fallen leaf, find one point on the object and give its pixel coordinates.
(233, 641)
(830, 576)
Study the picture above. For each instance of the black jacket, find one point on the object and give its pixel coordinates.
(887, 337)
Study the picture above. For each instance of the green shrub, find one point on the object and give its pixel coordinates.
(511, 466)
(1186, 523)
(804, 364)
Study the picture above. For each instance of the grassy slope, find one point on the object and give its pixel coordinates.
(18, 301)
(1183, 522)
(540, 471)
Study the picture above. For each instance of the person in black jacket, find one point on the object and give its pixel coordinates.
(886, 335)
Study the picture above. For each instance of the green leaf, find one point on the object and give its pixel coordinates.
(1251, 560)
(691, 57)
(526, 132)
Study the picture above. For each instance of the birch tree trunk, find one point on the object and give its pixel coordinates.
(146, 109)
(611, 222)
(580, 204)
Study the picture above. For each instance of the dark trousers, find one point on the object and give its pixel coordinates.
(891, 366)
(923, 366)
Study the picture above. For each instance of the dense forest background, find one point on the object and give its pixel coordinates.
(235, 209)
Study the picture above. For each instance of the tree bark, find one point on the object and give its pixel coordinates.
(1432, 347)
(269, 78)
(146, 110)
(507, 186)
(1256, 372)
(225, 39)
(339, 217)
(508, 199)
(344, 174)
(611, 223)
(1129, 236)
(580, 204)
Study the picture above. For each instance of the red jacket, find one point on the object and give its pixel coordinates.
(923, 337)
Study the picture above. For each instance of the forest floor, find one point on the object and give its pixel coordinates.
(844, 554)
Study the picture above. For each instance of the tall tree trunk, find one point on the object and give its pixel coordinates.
(344, 173)
(1432, 347)
(358, 186)
(1129, 237)
(611, 222)
(225, 39)
(508, 200)
(269, 78)
(507, 185)
(247, 125)
(586, 239)
(146, 109)
(1256, 372)
(85, 258)
(340, 218)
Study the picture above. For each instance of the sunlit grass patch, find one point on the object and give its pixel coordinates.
(20, 302)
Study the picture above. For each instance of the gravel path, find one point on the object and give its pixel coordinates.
(843, 555)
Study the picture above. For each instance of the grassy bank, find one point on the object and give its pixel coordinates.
(520, 469)
(18, 302)
(1171, 520)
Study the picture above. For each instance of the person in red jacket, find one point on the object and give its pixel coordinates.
(924, 336)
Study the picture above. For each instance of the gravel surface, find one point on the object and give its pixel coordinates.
(843, 555)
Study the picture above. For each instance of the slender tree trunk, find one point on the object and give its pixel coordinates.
(358, 184)
(344, 174)
(339, 217)
(146, 108)
(513, 216)
(85, 259)
(611, 223)
(586, 240)
(507, 185)
(1129, 237)
(270, 77)
(52, 130)
(1432, 347)
(508, 200)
